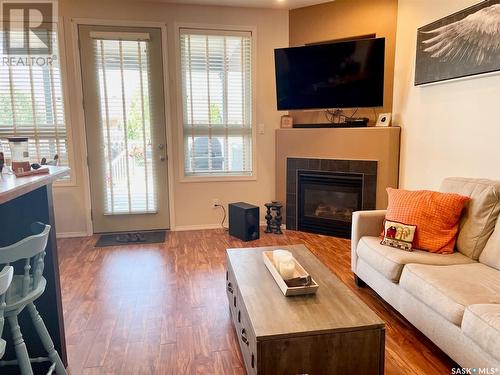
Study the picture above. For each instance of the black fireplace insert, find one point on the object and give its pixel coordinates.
(326, 201)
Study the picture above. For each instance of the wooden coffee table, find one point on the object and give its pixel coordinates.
(331, 332)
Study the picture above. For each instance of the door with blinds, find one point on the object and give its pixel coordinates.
(122, 73)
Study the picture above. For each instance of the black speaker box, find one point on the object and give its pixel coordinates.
(244, 221)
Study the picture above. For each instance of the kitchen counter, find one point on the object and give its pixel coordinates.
(12, 187)
(24, 200)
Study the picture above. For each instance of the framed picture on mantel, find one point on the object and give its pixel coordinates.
(460, 45)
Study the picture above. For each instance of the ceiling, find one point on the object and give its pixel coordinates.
(278, 4)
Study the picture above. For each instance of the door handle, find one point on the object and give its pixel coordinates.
(161, 146)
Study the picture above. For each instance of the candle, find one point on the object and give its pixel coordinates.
(277, 254)
(287, 269)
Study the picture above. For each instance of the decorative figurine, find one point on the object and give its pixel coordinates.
(54, 162)
(273, 217)
(277, 218)
(269, 217)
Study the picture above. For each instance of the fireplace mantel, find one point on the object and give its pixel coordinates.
(380, 144)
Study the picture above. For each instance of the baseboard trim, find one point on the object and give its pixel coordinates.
(72, 234)
(182, 228)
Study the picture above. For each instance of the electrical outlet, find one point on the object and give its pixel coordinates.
(215, 202)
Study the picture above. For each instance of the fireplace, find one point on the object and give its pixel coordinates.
(326, 201)
(322, 194)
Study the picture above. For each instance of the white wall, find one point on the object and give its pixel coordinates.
(448, 129)
(192, 200)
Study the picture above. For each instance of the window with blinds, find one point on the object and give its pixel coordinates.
(32, 105)
(216, 68)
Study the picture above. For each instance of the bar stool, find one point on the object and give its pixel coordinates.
(22, 293)
(5, 280)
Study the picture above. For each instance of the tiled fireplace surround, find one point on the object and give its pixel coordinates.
(366, 168)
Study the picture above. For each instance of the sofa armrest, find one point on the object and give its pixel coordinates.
(364, 223)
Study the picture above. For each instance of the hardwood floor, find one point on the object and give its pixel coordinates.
(162, 308)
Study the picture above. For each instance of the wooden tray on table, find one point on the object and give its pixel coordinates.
(299, 273)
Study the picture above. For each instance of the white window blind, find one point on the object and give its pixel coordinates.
(32, 105)
(216, 70)
(123, 74)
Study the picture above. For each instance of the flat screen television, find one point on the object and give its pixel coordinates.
(346, 74)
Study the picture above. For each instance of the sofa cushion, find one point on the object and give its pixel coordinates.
(481, 324)
(390, 261)
(491, 253)
(480, 214)
(448, 290)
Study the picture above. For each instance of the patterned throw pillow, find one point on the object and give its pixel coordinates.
(436, 215)
(399, 235)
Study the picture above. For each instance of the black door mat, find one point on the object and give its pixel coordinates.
(130, 238)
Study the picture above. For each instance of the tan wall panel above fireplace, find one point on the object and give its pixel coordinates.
(347, 19)
(380, 144)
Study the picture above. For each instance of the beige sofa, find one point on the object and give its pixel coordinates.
(453, 299)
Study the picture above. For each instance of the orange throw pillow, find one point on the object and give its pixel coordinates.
(436, 216)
